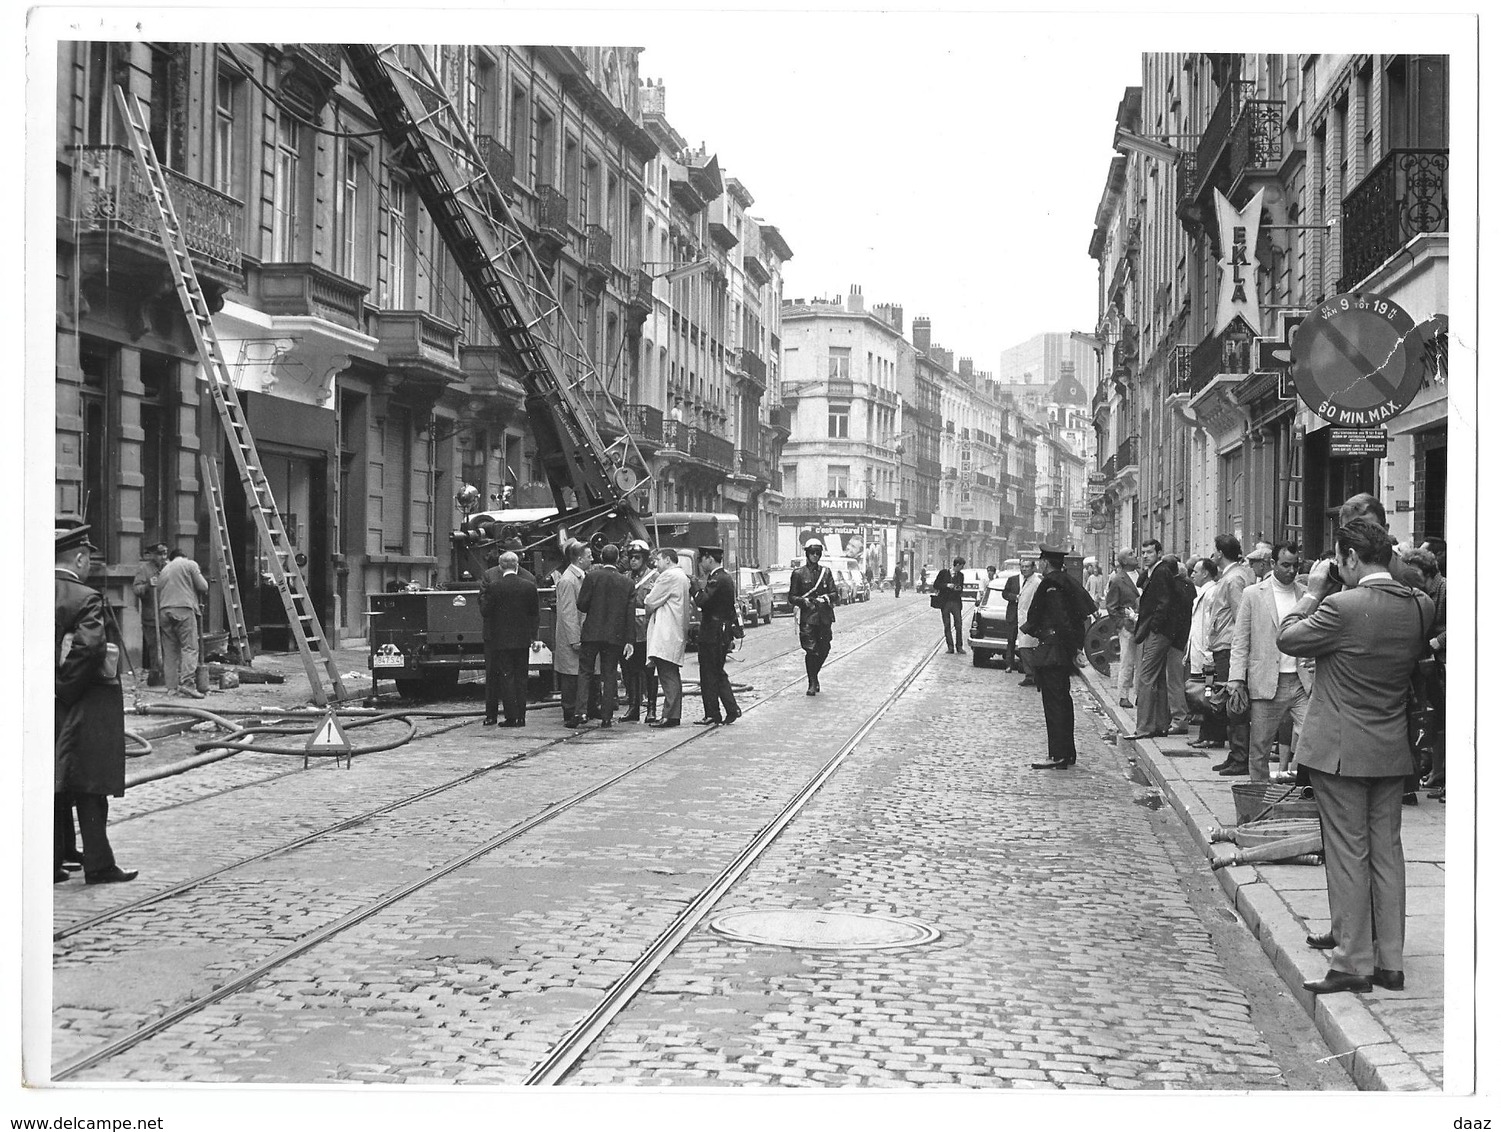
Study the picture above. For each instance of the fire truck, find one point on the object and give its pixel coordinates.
(423, 639)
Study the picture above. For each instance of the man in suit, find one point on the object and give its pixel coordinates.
(1058, 618)
(667, 632)
(88, 714)
(718, 628)
(1121, 600)
(509, 605)
(569, 626)
(1025, 643)
(1235, 575)
(607, 598)
(1275, 683)
(948, 589)
(1010, 593)
(1365, 638)
(1159, 614)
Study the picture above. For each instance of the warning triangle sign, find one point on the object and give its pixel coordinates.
(329, 739)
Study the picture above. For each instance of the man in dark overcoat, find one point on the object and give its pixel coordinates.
(607, 599)
(511, 610)
(812, 592)
(88, 713)
(948, 594)
(719, 625)
(1058, 617)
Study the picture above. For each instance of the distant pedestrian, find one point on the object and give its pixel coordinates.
(812, 592)
(179, 588)
(88, 714)
(640, 676)
(509, 605)
(718, 629)
(1058, 617)
(568, 626)
(143, 585)
(948, 599)
(1121, 598)
(1275, 683)
(607, 598)
(667, 633)
(989, 574)
(1365, 639)
(1025, 642)
(1094, 583)
(898, 576)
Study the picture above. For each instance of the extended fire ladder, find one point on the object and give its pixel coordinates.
(259, 501)
(233, 607)
(494, 254)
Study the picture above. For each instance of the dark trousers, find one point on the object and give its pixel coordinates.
(93, 816)
(151, 653)
(1012, 661)
(953, 614)
(1237, 725)
(640, 680)
(1364, 868)
(713, 684)
(671, 677)
(896, 587)
(1057, 710)
(568, 687)
(816, 641)
(608, 656)
(505, 682)
(1212, 723)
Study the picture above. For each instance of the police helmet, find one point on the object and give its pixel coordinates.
(638, 546)
(813, 544)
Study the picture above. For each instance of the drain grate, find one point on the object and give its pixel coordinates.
(821, 930)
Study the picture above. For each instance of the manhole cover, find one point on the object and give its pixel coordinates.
(821, 930)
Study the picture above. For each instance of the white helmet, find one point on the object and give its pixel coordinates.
(813, 544)
(638, 546)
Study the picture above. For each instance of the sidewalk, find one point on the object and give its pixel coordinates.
(1387, 1040)
(293, 694)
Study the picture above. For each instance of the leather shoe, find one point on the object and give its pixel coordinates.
(1054, 764)
(1199, 744)
(1389, 980)
(1222, 765)
(1234, 770)
(812, 691)
(60, 875)
(603, 723)
(732, 716)
(960, 650)
(631, 717)
(112, 875)
(707, 720)
(664, 723)
(1125, 703)
(1177, 731)
(1143, 735)
(490, 721)
(1026, 682)
(1410, 799)
(514, 723)
(1322, 942)
(1336, 981)
(651, 717)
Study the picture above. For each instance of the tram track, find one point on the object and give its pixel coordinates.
(188, 884)
(614, 1000)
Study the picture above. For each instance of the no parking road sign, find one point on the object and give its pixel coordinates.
(1356, 360)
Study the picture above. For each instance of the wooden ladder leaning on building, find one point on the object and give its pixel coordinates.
(317, 658)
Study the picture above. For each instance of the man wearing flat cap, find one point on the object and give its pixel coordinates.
(88, 713)
(1058, 618)
(719, 626)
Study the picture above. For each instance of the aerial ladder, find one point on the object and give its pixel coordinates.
(493, 252)
(280, 556)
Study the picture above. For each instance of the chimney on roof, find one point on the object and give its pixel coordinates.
(857, 300)
(890, 314)
(966, 367)
(922, 333)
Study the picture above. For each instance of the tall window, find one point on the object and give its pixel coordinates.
(398, 255)
(158, 373)
(108, 65)
(227, 88)
(547, 149)
(284, 190)
(100, 364)
(839, 481)
(839, 421)
(571, 188)
(169, 104)
(486, 112)
(521, 141)
(349, 214)
(594, 197)
(1417, 102)
(839, 363)
(395, 440)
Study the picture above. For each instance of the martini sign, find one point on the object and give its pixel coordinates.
(1356, 360)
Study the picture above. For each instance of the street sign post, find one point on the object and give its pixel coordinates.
(1356, 361)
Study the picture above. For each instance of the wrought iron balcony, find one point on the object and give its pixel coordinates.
(1109, 468)
(1405, 195)
(1217, 132)
(552, 211)
(639, 297)
(1127, 455)
(1218, 354)
(711, 449)
(1180, 371)
(775, 480)
(499, 162)
(110, 198)
(644, 423)
(597, 248)
(676, 434)
(1187, 171)
(748, 463)
(1256, 139)
(753, 367)
(781, 420)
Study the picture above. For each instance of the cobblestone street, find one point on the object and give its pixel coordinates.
(1071, 952)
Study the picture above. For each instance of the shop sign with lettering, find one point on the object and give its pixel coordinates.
(1239, 229)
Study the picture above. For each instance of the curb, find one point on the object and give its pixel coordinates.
(1373, 1057)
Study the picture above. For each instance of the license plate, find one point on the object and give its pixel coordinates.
(389, 660)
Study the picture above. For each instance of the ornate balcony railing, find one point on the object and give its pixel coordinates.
(499, 162)
(1217, 354)
(1128, 454)
(1180, 370)
(644, 422)
(1256, 140)
(748, 463)
(781, 418)
(640, 297)
(109, 195)
(711, 449)
(597, 246)
(754, 367)
(1405, 195)
(1217, 131)
(552, 210)
(1188, 177)
(775, 478)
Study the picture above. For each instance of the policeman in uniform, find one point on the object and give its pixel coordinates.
(719, 626)
(88, 712)
(640, 677)
(1058, 618)
(811, 590)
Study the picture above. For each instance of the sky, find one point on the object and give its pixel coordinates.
(949, 164)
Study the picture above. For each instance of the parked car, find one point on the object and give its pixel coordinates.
(753, 589)
(987, 626)
(975, 580)
(779, 578)
(860, 586)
